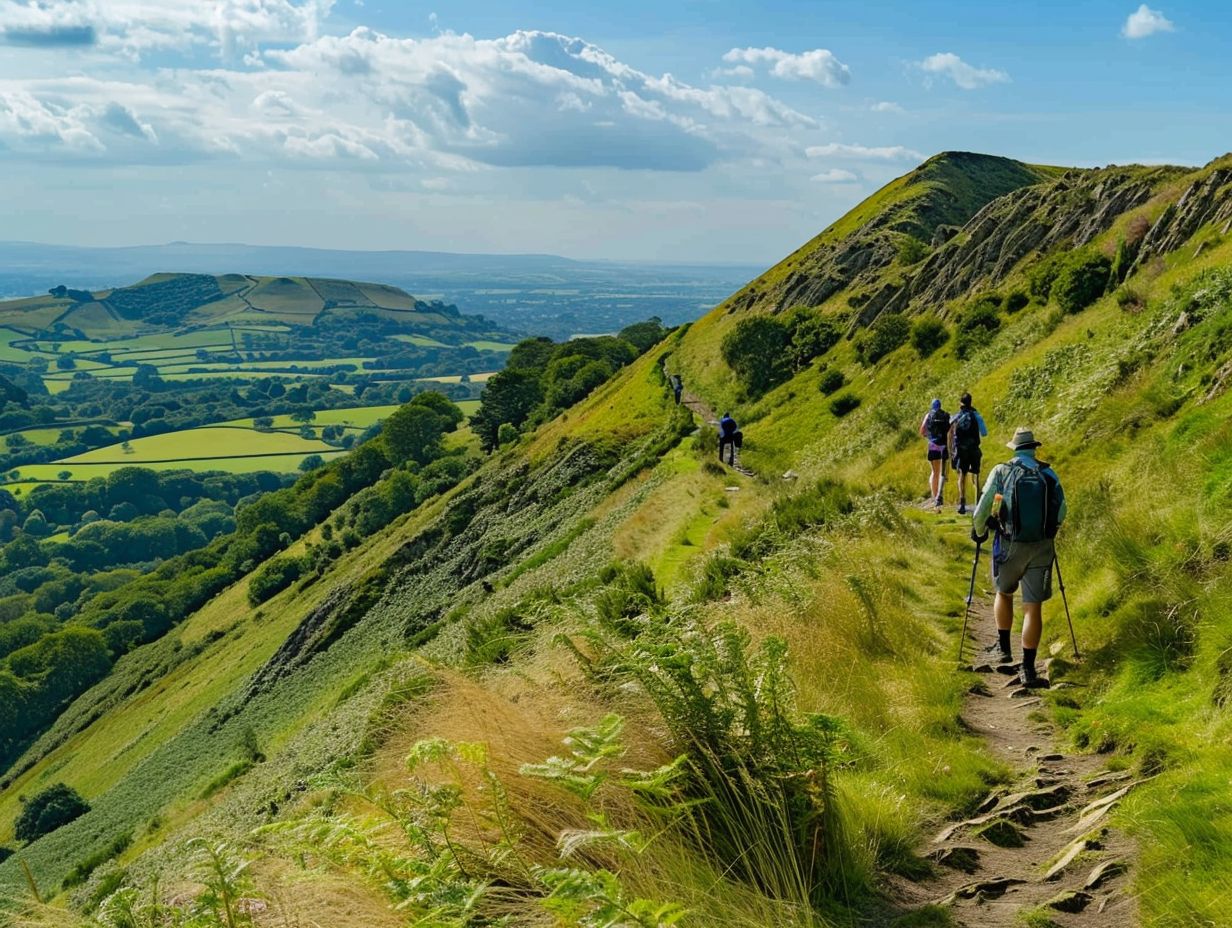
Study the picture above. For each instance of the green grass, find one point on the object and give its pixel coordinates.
(205, 442)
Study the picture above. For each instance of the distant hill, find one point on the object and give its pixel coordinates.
(530, 294)
(179, 300)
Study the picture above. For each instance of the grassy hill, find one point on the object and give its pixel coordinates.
(604, 677)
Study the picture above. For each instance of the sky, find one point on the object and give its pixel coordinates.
(668, 130)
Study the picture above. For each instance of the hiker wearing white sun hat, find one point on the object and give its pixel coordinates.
(1030, 506)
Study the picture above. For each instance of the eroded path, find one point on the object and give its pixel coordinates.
(1040, 850)
(699, 408)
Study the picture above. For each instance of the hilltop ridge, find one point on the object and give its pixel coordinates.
(564, 642)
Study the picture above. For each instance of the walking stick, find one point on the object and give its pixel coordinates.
(1064, 599)
(970, 596)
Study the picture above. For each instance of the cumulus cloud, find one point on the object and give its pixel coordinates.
(1144, 21)
(835, 176)
(886, 106)
(863, 152)
(819, 64)
(965, 76)
(137, 27)
(447, 102)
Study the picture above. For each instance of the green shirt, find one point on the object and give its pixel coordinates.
(998, 481)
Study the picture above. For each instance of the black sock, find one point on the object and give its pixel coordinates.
(1003, 639)
(1028, 662)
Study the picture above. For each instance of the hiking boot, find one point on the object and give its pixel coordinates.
(1004, 657)
(962, 509)
(938, 502)
(1035, 682)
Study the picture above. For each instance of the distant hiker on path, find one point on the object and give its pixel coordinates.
(966, 429)
(677, 387)
(729, 437)
(936, 428)
(1030, 507)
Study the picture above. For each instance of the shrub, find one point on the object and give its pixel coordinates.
(756, 351)
(979, 320)
(927, 335)
(53, 808)
(812, 335)
(1016, 300)
(911, 250)
(1042, 276)
(275, 576)
(832, 380)
(844, 403)
(1129, 300)
(1081, 281)
(888, 332)
(507, 433)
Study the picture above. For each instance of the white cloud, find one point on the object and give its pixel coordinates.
(136, 27)
(965, 76)
(1144, 21)
(863, 152)
(835, 176)
(447, 102)
(886, 106)
(818, 65)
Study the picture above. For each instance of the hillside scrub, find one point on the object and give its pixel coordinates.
(756, 351)
(928, 336)
(888, 332)
(1081, 281)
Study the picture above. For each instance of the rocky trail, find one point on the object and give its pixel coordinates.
(1039, 850)
(1042, 843)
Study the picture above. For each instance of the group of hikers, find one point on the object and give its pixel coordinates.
(730, 436)
(1022, 505)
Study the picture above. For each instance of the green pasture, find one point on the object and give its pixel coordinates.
(37, 474)
(204, 442)
(421, 340)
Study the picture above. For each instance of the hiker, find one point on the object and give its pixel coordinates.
(729, 438)
(966, 429)
(677, 387)
(936, 428)
(1030, 507)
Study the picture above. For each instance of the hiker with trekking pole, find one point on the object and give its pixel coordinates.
(936, 428)
(1023, 504)
(966, 429)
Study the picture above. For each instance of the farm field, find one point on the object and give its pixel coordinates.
(482, 377)
(35, 474)
(206, 442)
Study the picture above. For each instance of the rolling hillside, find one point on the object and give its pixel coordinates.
(607, 681)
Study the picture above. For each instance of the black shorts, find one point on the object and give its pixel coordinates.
(936, 455)
(968, 460)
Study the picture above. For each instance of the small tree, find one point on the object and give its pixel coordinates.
(1082, 281)
(311, 462)
(889, 331)
(506, 434)
(53, 808)
(927, 335)
(911, 250)
(756, 350)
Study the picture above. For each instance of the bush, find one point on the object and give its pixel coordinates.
(1042, 276)
(756, 351)
(888, 332)
(844, 403)
(1130, 300)
(277, 574)
(927, 335)
(1016, 300)
(812, 335)
(1081, 281)
(832, 380)
(53, 808)
(979, 320)
(911, 250)
(507, 434)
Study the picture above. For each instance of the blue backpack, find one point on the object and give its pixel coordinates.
(1034, 507)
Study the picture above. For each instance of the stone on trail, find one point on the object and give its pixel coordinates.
(957, 857)
(1083, 844)
(1107, 779)
(1070, 901)
(1104, 873)
(1099, 808)
(1001, 832)
(983, 889)
(979, 689)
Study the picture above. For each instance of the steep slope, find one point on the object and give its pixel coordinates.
(818, 611)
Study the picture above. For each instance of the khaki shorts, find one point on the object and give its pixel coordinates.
(1025, 563)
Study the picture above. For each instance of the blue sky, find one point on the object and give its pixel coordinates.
(697, 130)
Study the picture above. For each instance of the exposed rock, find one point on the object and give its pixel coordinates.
(958, 857)
(1206, 201)
(1070, 901)
(1001, 832)
(1086, 843)
(984, 889)
(1104, 873)
(1099, 808)
(1107, 779)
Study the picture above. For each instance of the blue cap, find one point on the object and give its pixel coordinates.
(936, 404)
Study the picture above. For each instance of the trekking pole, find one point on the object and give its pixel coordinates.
(1061, 583)
(970, 598)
